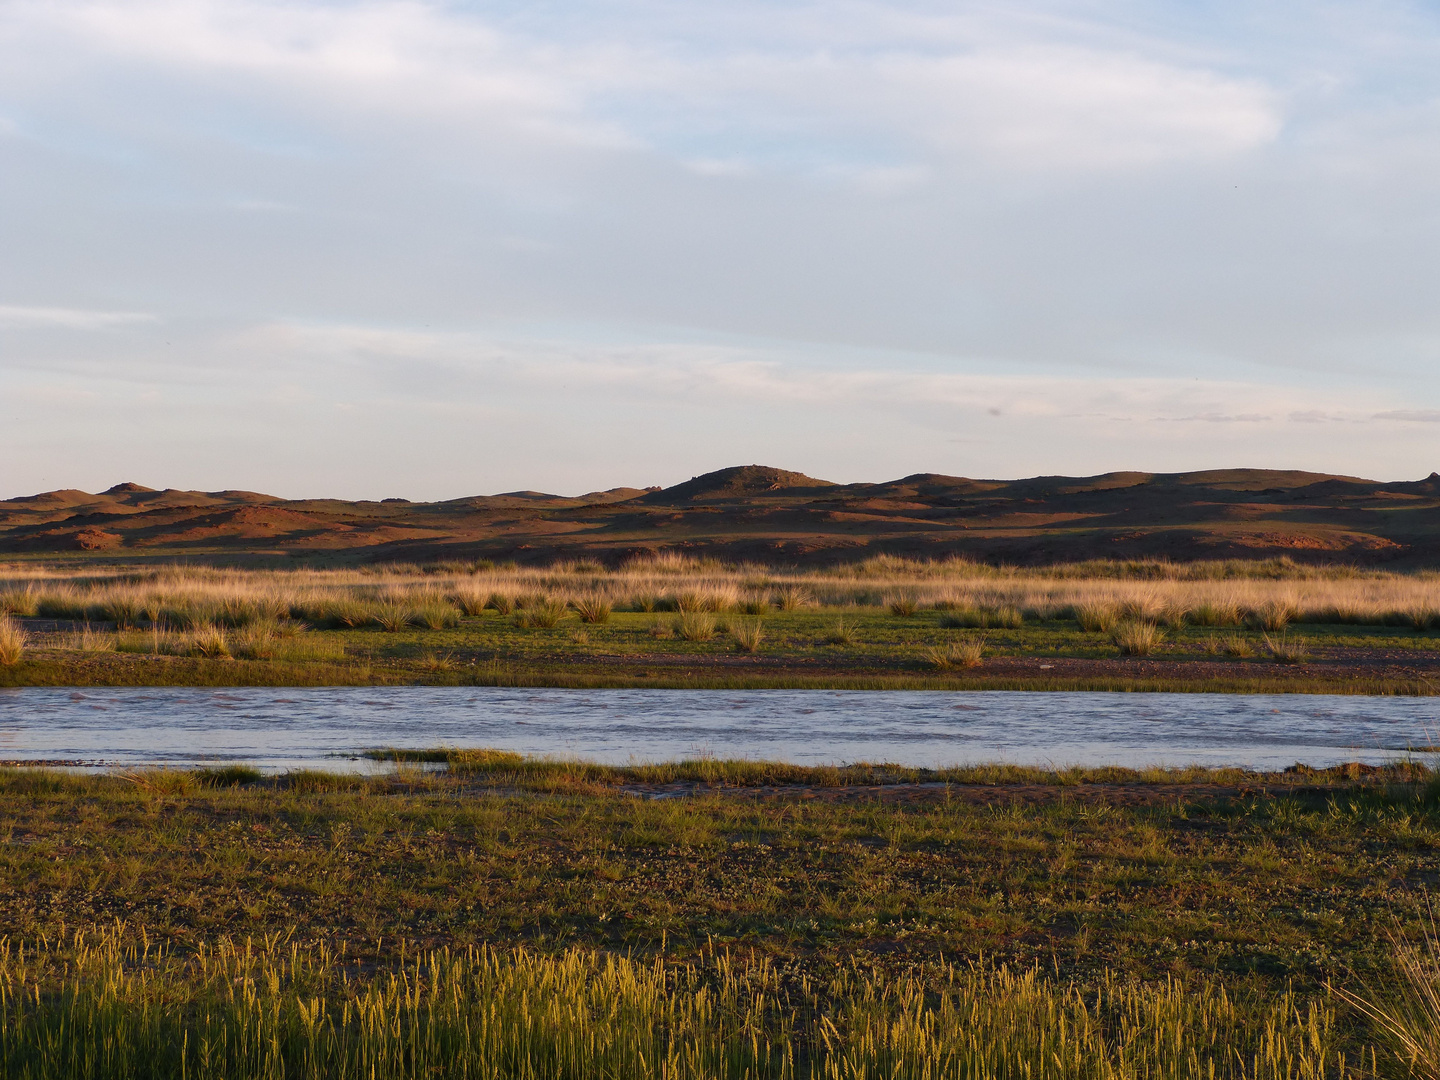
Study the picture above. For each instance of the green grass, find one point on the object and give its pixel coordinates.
(511, 909)
(802, 647)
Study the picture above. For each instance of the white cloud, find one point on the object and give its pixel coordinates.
(978, 94)
(19, 317)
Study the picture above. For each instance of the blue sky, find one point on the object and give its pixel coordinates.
(433, 250)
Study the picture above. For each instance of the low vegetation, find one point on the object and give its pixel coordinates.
(675, 622)
(510, 916)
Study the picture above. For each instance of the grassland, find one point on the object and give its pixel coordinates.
(887, 623)
(506, 915)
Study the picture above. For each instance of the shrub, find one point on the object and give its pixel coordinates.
(593, 609)
(747, 634)
(12, 641)
(1137, 638)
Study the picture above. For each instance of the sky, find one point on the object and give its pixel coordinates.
(430, 250)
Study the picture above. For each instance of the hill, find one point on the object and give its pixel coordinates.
(765, 514)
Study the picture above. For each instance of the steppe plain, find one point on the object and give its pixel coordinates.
(473, 913)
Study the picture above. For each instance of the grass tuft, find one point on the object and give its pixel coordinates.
(1095, 618)
(593, 609)
(903, 604)
(1287, 650)
(694, 626)
(748, 634)
(967, 653)
(541, 614)
(228, 776)
(12, 641)
(1137, 638)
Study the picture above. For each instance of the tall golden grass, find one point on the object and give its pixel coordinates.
(12, 642)
(119, 1006)
(1267, 595)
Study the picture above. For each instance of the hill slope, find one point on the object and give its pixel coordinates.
(769, 515)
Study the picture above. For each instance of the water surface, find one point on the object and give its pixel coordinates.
(281, 728)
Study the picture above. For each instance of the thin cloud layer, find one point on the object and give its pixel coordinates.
(963, 238)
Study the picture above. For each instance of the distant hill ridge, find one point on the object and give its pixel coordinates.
(764, 513)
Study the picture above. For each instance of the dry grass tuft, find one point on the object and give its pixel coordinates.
(983, 618)
(694, 626)
(1215, 613)
(748, 634)
(1273, 615)
(541, 614)
(1137, 638)
(1287, 650)
(967, 653)
(12, 642)
(842, 633)
(207, 641)
(23, 602)
(434, 616)
(793, 597)
(1237, 645)
(471, 602)
(903, 604)
(593, 609)
(1095, 618)
(1407, 1011)
(391, 617)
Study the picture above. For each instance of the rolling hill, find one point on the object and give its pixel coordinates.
(766, 515)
